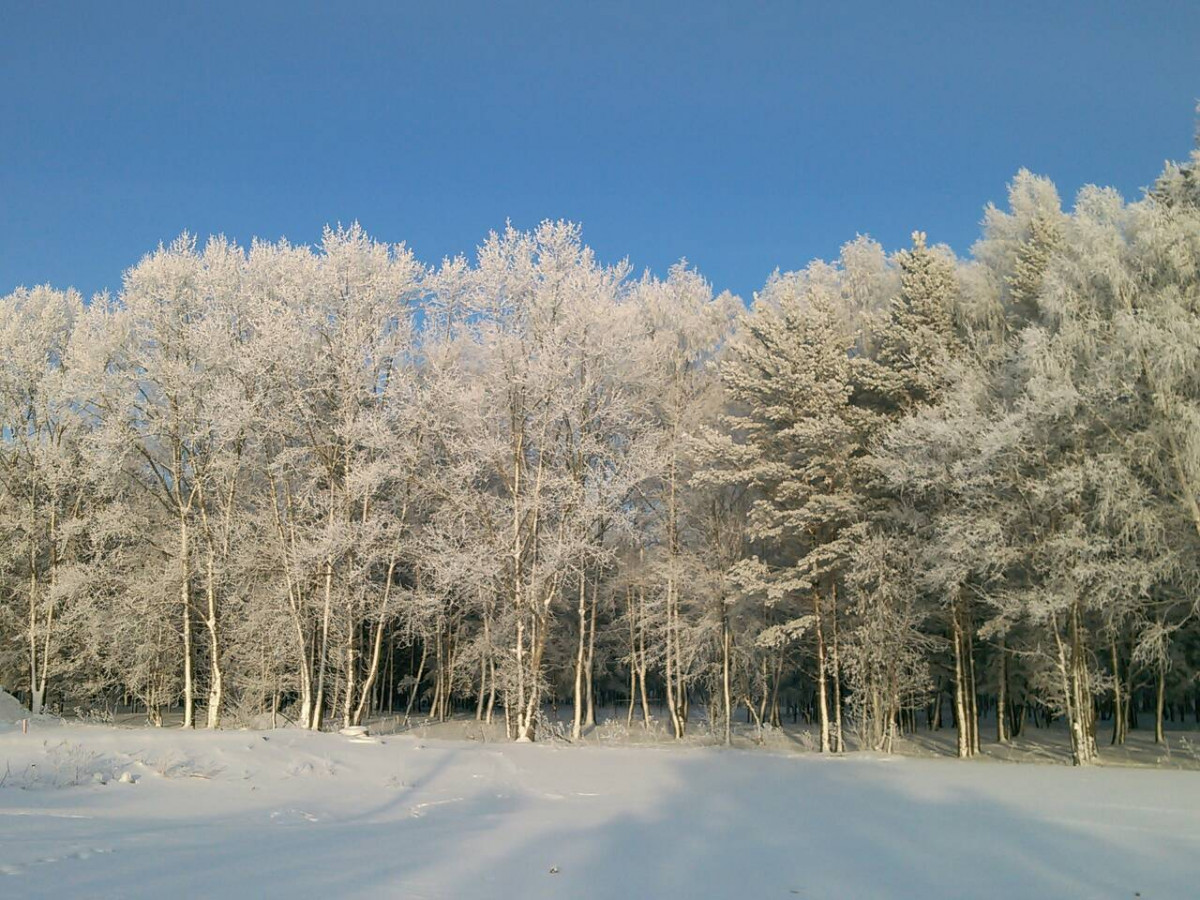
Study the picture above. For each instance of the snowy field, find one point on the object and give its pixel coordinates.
(97, 811)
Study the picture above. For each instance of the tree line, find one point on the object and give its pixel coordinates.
(895, 491)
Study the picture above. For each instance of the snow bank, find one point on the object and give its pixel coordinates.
(11, 709)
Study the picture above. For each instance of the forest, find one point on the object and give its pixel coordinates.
(893, 491)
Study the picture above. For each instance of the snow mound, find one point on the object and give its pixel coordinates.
(11, 709)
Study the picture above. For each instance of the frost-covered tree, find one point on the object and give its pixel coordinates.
(332, 344)
(796, 438)
(680, 327)
(45, 501)
(543, 448)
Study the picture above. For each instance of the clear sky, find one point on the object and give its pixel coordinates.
(743, 135)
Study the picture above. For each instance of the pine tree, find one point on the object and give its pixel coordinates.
(799, 437)
(1029, 269)
(919, 339)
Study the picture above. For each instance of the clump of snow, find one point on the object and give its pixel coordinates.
(11, 709)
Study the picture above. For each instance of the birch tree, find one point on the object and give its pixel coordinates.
(44, 497)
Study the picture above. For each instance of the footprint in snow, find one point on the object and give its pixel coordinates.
(84, 853)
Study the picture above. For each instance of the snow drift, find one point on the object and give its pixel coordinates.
(11, 709)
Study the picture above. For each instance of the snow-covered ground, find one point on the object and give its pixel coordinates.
(293, 814)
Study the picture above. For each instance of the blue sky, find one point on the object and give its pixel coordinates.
(744, 135)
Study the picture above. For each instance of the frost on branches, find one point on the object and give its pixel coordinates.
(897, 491)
